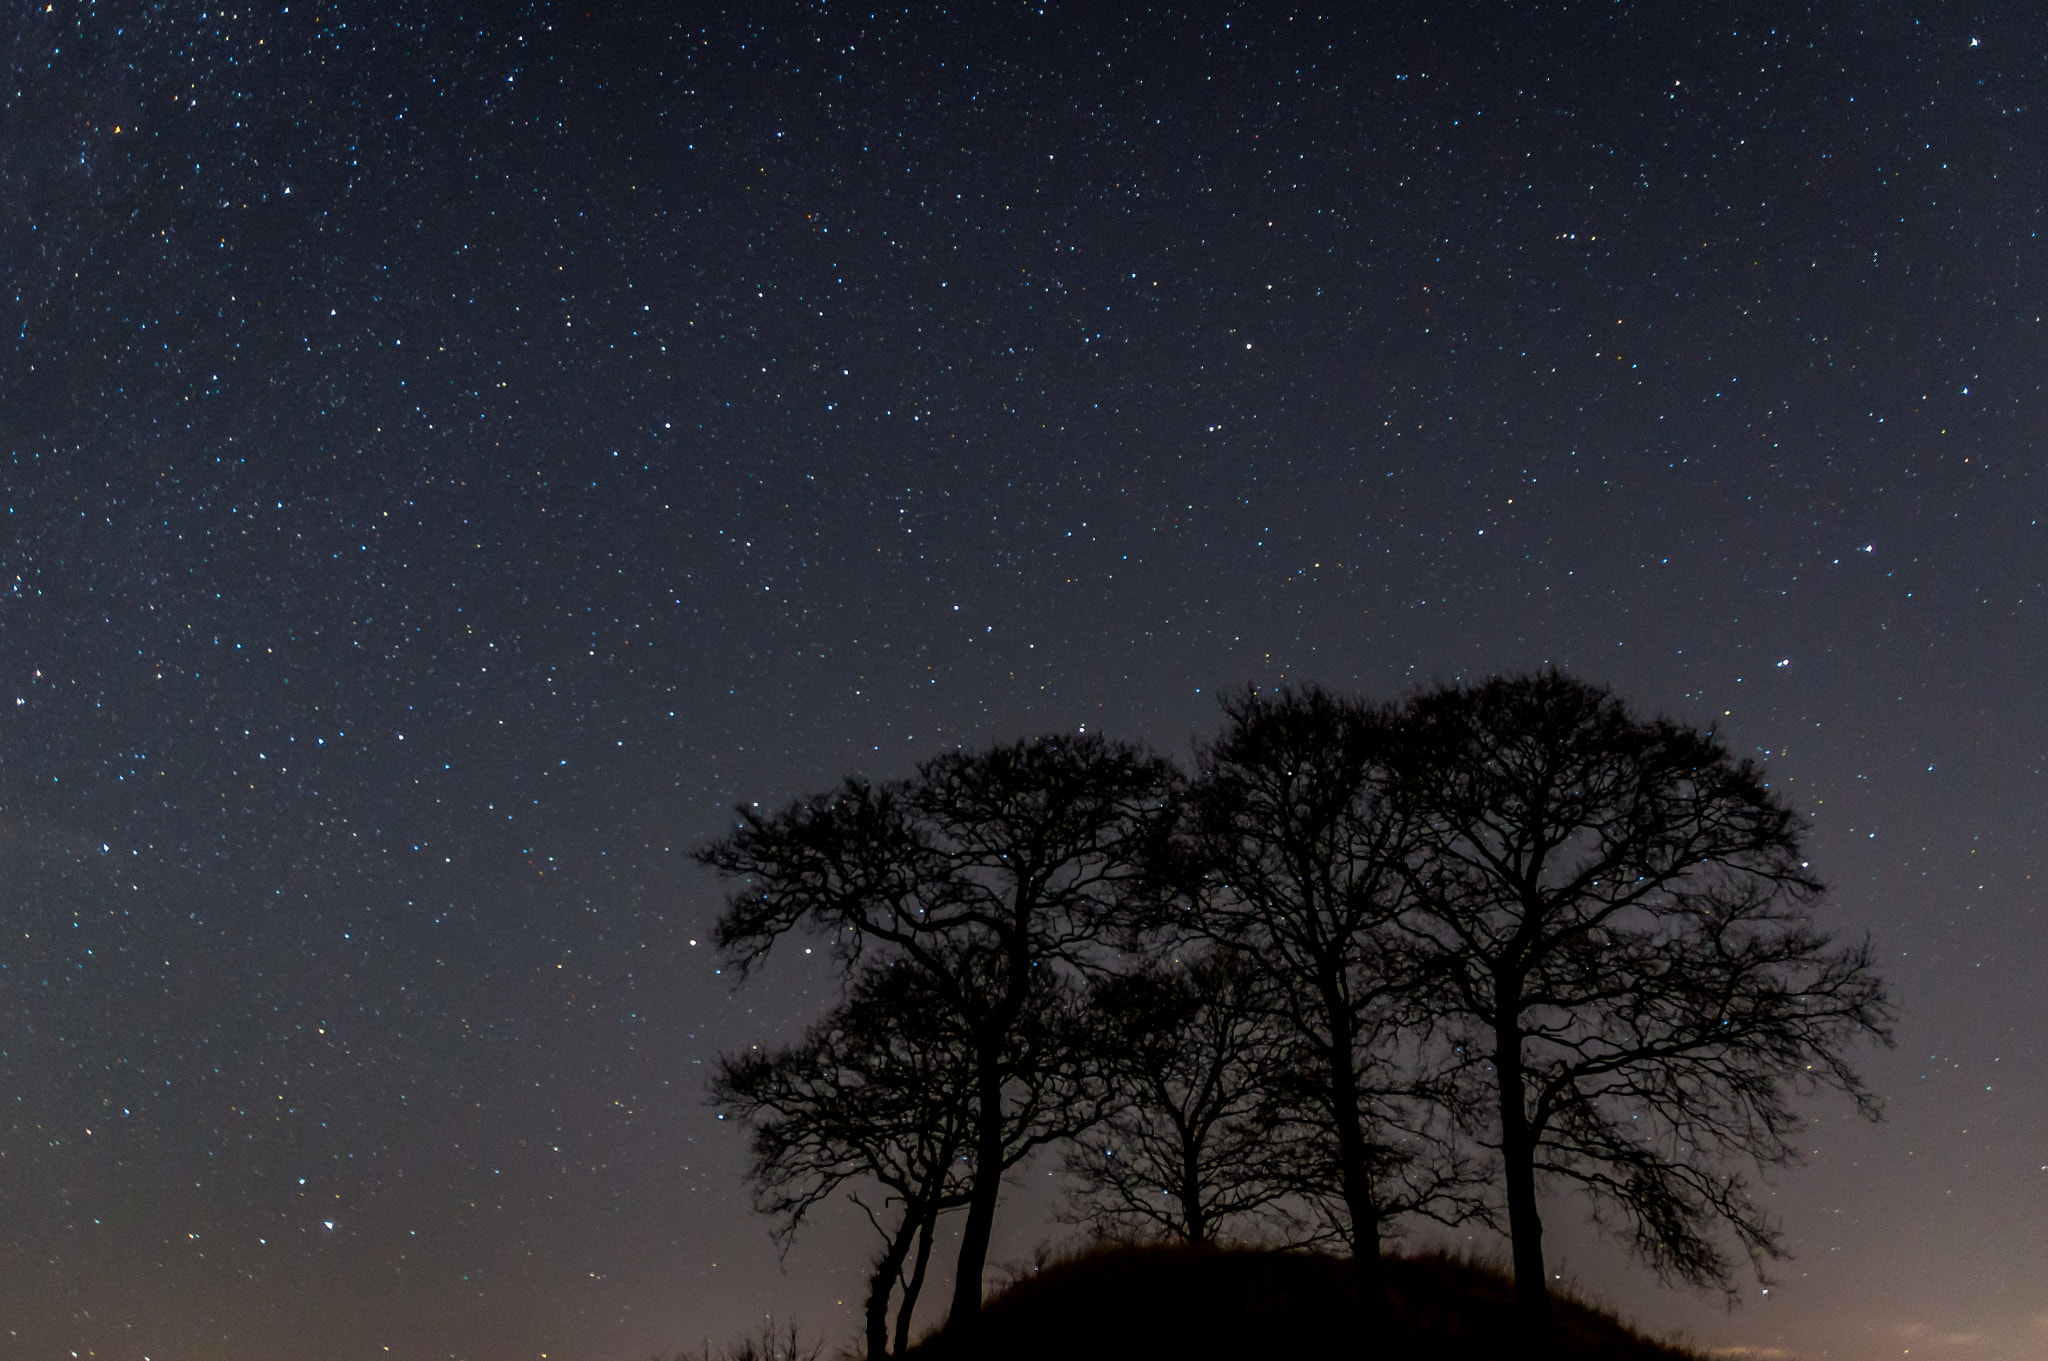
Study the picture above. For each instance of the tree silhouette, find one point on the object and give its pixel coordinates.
(1298, 853)
(997, 877)
(1185, 1051)
(1613, 911)
(874, 1093)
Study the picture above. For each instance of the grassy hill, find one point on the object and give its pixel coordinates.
(1124, 1303)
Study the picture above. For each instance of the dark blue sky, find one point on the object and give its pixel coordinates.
(451, 455)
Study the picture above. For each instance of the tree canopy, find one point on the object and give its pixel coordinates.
(1295, 847)
(1614, 912)
(1184, 1051)
(999, 877)
(1366, 962)
(871, 1094)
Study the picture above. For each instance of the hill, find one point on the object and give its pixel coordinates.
(1120, 1303)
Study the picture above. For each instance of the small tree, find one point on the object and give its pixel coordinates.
(1299, 856)
(1614, 913)
(1184, 1052)
(873, 1094)
(992, 875)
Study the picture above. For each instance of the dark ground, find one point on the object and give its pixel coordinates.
(1125, 1302)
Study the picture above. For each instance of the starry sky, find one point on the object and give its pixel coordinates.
(454, 453)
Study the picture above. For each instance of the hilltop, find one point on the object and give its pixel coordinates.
(1117, 1303)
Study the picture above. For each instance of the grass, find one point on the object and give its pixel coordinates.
(770, 1344)
(1120, 1302)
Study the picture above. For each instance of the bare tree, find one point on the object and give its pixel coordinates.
(1185, 1050)
(1299, 856)
(875, 1094)
(1615, 914)
(988, 874)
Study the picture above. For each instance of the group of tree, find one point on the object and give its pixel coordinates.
(1363, 963)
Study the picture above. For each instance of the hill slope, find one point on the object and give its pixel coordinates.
(1121, 1303)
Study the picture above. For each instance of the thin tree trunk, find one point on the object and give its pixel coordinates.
(1518, 1167)
(1192, 1216)
(916, 1282)
(883, 1284)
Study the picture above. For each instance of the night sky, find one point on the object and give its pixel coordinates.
(453, 455)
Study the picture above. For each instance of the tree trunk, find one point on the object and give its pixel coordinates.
(1364, 1211)
(1518, 1167)
(1192, 1216)
(883, 1284)
(987, 1189)
(1361, 1202)
(916, 1282)
(974, 1240)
